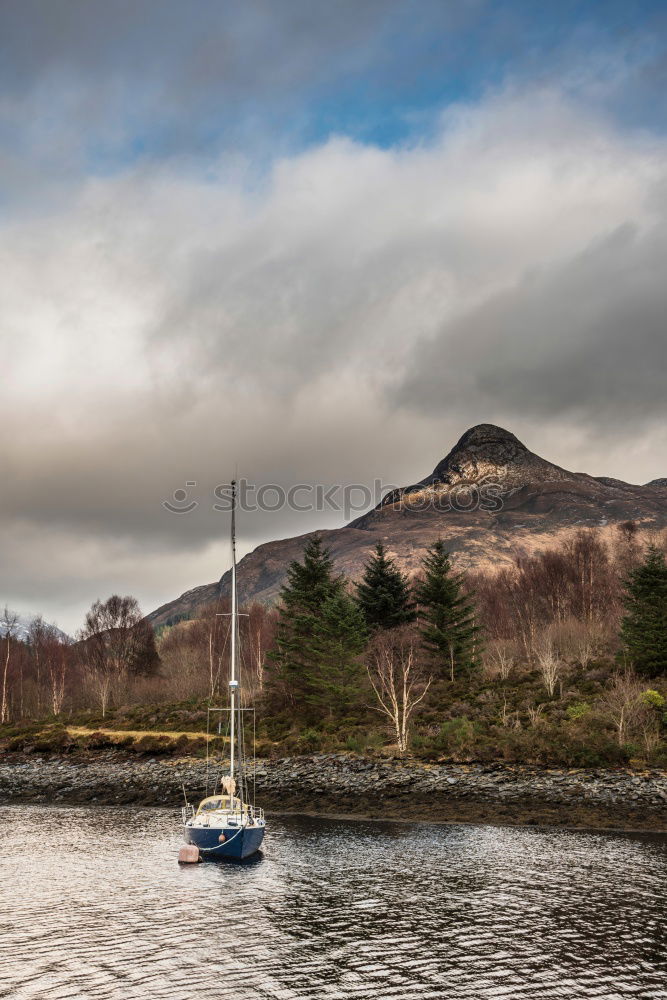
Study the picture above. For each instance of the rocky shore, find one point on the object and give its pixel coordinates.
(343, 784)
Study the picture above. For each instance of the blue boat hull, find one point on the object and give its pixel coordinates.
(239, 842)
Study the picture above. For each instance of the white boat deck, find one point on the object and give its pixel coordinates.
(221, 812)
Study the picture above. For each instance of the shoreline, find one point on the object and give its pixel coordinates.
(351, 787)
(352, 818)
(357, 818)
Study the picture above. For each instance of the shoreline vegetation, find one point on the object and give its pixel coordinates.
(557, 664)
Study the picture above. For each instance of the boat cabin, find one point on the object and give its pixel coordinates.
(215, 802)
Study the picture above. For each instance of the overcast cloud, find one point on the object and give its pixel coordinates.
(302, 304)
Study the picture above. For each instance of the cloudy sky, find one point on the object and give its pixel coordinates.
(312, 242)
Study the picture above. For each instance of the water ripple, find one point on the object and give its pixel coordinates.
(93, 906)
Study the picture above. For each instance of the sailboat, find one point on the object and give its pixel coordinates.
(227, 824)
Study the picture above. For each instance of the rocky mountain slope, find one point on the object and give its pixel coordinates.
(490, 498)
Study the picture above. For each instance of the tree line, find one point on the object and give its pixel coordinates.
(46, 673)
(561, 606)
(332, 638)
(431, 658)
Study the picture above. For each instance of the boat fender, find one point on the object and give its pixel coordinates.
(188, 855)
(222, 838)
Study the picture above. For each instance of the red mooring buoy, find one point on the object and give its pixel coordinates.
(188, 855)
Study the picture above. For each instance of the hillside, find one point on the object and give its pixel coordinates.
(490, 498)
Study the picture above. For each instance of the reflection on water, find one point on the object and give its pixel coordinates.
(94, 905)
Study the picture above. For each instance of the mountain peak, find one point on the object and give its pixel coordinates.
(487, 434)
(541, 504)
(486, 453)
(493, 442)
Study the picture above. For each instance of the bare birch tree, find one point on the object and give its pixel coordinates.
(37, 638)
(499, 658)
(115, 642)
(257, 634)
(397, 680)
(549, 665)
(10, 625)
(625, 705)
(51, 657)
(58, 661)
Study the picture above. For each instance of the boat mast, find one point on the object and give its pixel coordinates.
(233, 682)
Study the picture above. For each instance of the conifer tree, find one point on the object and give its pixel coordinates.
(383, 594)
(311, 583)
(320, 633)
(339, 638)
(446, 612)
(644, 628)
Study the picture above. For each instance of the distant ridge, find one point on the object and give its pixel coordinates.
(490, 499)
(21, 630)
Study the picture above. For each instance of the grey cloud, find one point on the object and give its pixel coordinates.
(253, 46)
(582, 338)
(164, 326)
(90, 86)
(196, 43)
(179, 74)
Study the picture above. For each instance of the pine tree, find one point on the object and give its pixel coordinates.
(339, 638)
(644, 628)
(447, 613)
(311, 583)
(383, 595)
(295, 657)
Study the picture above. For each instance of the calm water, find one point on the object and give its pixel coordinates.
(94, 905)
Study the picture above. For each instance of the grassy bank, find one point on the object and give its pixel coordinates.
(589, 720)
